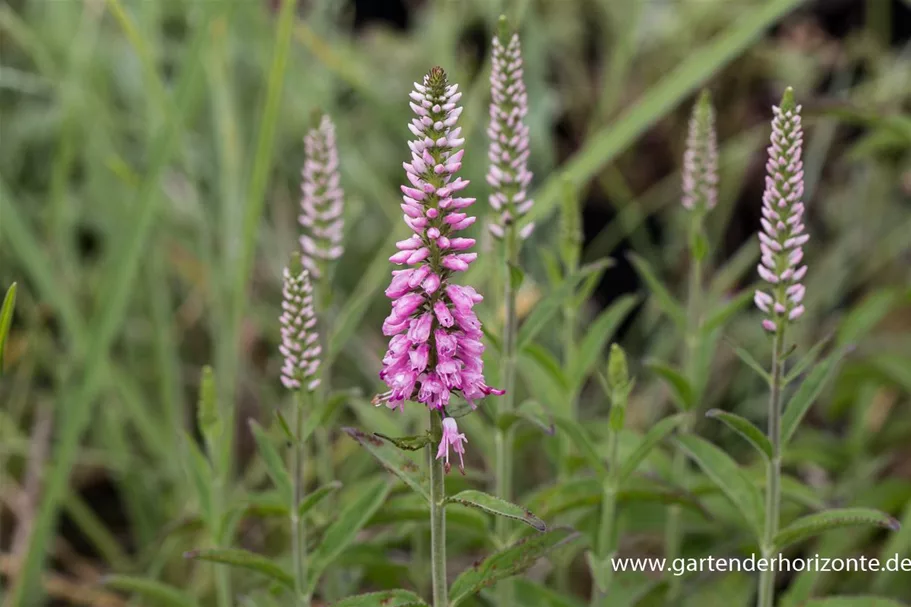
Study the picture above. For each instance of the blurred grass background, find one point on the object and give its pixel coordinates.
(149, 166)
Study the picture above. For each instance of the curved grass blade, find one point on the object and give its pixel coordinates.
(807, 394)
(655, 435)
(154, 591)
(244, 559)
(6, 319)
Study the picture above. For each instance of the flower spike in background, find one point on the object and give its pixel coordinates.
(322, 200)
(700, 160)
(508, 174)
(300, 340)
(435, 347)
(782, 236)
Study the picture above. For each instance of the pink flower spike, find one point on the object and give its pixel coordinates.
(452, 438)
(782, 236)
(300, 341)
(508, 173)
(700, 160)
(432, 319)
(322, 201)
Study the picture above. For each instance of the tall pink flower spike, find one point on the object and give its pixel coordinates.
(782, 236)
(508, 172)
(300, 341)
(700, 160)
(435, 347)
(322, 200)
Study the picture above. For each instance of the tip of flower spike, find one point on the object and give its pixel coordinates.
(704, 104)
(436, 80)
(503, 30)
(787, 100)
(316, 117)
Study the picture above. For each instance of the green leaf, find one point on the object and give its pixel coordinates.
(867, 314)
(530, 411)
(509, 562)
(581, 440)
(597, 334)
(207, 408)
(386, 598)
(722, 314)
(344, 529)
(809, 358)
(655, 435)
(751, 362)
(244, 559)
(680, 387)
(275, 465)
(853, 601)
(666, 302)
(746, 429)
(820, 522)
(408, 443)
(392, 460)
(728, 476)
(283, 424)
(541, 315)
(6, 319)
(807, 394)
(315, 497)
(600, 570)
(157, 593)
(587, 492)
(494, 505)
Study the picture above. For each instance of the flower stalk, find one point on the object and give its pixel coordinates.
(509, 178)
(700, 194)
(437, 517)
(619, 387)
(781, 243)
(300, 373)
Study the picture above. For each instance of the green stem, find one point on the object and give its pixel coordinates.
(504, 438)
(606, 546)
(298, 529)
(773, 473)
(673, 539)
(437, 519)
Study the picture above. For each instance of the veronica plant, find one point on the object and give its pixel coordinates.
(700, 195)
(508, 177)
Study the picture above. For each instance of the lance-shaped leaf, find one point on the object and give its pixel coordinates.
(315, 497)
(411, 508)
(853, 601)
(744, 428)
(729, 477)
(507, 563)
(680, 386)
(597, 334)
(244, 559)
(587, 492)
(494, 505)
(820, 522)
(155, 592)
(655, 435)
(407, 443)
(751, 362)
(807, 394)
(344, 529)
(720, 316)
(668, 304)
(386, 598)
(202, 476)
(392, 459)
(550, 305)
(6, 319)
(808, 359)
(582, 442)
(275, 466)
(530, 411)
